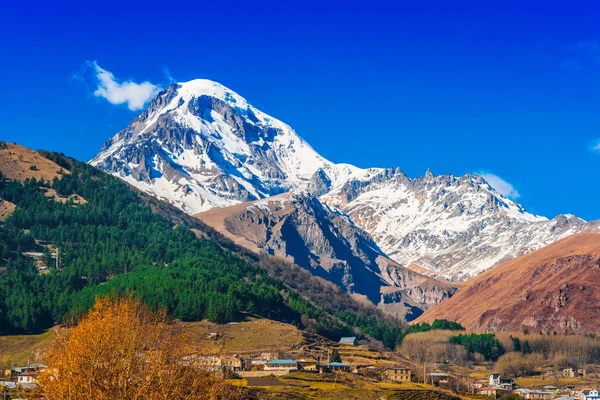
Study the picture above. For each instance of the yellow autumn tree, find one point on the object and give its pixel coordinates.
(121, 350)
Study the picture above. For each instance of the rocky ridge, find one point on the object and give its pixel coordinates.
(298, 227)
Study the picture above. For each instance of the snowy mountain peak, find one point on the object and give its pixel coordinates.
(188, 91)
(445, 226)
(200, 145)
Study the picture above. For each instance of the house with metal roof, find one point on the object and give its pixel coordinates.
(530, 394)
(351, 341)
(337, 366)
(281, 365)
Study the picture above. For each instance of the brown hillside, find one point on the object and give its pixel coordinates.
(217, 218)
(554, 288)
(18, 162)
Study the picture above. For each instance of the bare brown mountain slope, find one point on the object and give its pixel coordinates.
(554, 288)
(20, 163)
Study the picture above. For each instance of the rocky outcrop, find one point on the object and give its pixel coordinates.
(297, 226)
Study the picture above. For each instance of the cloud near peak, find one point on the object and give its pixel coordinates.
(135, 95)
(502, 186)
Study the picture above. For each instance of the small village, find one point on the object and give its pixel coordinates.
(266, 368)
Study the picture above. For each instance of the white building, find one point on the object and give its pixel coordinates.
(590, 395)
(497, 380)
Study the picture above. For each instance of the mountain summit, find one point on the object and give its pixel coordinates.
(200, 146)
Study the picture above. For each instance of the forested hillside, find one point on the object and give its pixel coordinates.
(112, 242)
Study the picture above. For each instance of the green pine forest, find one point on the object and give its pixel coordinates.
(115, 243)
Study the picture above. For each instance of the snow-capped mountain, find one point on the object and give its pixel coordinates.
(200, 145)
(445, 226)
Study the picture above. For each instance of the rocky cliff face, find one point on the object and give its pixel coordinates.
(445, 226)
(299, 227)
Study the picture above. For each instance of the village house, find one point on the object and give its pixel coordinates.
(534, 394)
(336, 366)
(27, 378)
(207, 363)
(307, 364)
(550, 388)
(232, 364)
(281, 365)
(438, 377)
(398, 374)
(494, 392)
(592, 394)
(30, 368)
(574, 373)
(497, 380)
(263, 358)
(8, 384)
(349, 341)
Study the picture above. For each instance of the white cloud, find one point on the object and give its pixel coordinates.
(502, 186)
(168, 75)
(135, 95)
(596, 147)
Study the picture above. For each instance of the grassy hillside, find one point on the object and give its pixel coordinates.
(301, 385)
(24, 349)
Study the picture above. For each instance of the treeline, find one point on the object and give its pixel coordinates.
(485, 344)
(438, 324)
(434, 346)
(562, 350)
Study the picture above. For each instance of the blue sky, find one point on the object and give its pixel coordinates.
(510, 90)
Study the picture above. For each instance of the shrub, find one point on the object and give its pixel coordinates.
(517, 364)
